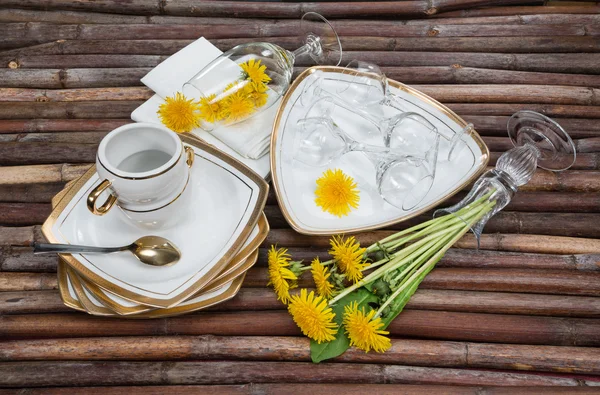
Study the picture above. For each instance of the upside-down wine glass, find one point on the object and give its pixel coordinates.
(409, 131)
(539, 142)
(364, 86)
(402, 180)
(250, 78)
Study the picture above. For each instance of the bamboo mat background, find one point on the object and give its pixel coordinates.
(522, 311)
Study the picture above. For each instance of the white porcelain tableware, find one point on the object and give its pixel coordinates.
(295, 182)
(238, 265)
(76, 296)
(228, 201)
(146, 168)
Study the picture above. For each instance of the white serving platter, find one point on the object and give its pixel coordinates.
(294, 182)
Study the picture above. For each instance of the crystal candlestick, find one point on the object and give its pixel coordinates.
(539, 142)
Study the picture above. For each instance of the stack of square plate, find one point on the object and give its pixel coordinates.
(219, 239)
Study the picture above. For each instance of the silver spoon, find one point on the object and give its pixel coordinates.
(151, 250)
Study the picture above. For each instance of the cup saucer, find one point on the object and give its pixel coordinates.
(79, 298)
(228, 199)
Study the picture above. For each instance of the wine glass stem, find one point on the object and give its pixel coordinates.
(372, 149)
(312, 46)
(394, 102)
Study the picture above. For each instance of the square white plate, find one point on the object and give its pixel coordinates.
(295, 184)
(228, 199)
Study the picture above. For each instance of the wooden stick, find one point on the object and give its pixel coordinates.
(522, 11)
(583, 63)
(586, 145)
(31, 374)
(510, 108)
(90, 78)
(340, 10)
(532, 243)
(72, 78)
(86, 94)
(72, 110)
(555, 62)
(22, 259)
(21, 214)
(499, 259)
(72, 137)
(139, 7)
(470, 75)
(454, 258)
(557, 282)
(267, 9)
(88, 61)
(39, 32)
(48, 301)
(499, 242)
(512, 94)
(583, 161)
(61, 173)
(516, 329)
(40, 153)
(60, 125)
(298, 389)
(76, 17)
(405, 352)
(496, 125)
(27, 281)
(40, 56)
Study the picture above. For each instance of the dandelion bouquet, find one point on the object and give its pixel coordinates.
(360, 291)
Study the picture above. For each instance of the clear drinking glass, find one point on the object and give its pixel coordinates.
(364, 86)
(410, 132)
(402, 180)
(539, 142)
(250, 78)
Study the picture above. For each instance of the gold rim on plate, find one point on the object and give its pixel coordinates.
(423, 97)
(88, 306)
(232, 270)
(200, 283)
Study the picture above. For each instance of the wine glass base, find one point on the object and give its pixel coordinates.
(555, 146)
(326, 48)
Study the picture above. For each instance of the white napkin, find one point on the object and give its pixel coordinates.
(247, 141)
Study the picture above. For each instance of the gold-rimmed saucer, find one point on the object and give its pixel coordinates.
(73, 290)
(229, 199)
(238, 265)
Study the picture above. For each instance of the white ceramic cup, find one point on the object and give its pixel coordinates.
(144, 167)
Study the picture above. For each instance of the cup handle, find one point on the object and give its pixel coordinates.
(189, 153)
(95, 194)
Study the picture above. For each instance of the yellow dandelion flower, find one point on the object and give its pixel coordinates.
(365, 332)
(321, 276)
(179, 114)
(280, 276)
(313, 316)
(336, 193)
(349, 256)
(210, 109)
(254, 71)
(230, 86)
(257, 92)
(236, 106)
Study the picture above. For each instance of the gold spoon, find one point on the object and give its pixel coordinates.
(151, 250)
